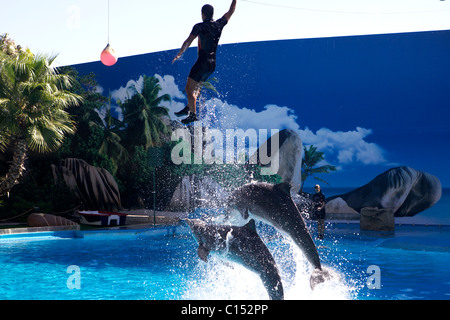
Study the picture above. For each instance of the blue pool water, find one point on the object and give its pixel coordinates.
(162, 264)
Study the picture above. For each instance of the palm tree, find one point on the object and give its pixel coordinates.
(33, 103)
(111, 146)
(142, 115)
(207, 86)
(311, 157)
(99, 133)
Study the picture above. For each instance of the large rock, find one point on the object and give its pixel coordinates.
(403, 190)
(339, 209)
(289, 153)
(375, 219)
(94, 187)
(194, 192)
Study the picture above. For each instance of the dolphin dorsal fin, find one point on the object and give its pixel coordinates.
(284, 187)
(251, 225)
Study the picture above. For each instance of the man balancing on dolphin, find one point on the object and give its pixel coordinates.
(208, 33)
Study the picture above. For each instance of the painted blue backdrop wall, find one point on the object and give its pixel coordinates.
(369, 102)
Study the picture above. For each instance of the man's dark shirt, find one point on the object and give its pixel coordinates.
(319, 200)
(209, 33)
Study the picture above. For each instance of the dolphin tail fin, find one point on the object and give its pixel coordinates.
(321, 275)
(203, 252)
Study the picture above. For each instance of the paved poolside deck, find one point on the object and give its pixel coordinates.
(136, 219)
(144, 216)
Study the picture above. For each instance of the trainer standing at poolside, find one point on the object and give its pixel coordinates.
(208, 33)
(319, 211)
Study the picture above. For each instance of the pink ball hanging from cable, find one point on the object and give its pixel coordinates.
(108, 56)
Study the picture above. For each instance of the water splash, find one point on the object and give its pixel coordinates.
(220, 279)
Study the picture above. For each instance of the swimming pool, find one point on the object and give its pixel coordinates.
(162, 264)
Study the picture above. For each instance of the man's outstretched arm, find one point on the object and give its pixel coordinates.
(231, 11)
(184, 47)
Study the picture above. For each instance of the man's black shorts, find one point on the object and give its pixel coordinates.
(202, 69)
(319, 215)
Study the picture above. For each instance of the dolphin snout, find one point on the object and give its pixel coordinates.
(194, 223)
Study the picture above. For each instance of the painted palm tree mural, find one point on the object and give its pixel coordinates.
(142, 115)
(111, 147)
(311, 157)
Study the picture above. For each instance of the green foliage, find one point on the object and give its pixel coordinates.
(126, 148)
(34, 98)
(37, 190)
(142, 115)
(311, 157)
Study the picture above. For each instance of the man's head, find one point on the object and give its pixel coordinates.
(207, 12)
(317, 188)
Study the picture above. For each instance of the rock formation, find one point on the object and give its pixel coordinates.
(194, 192)
(94, 187)
(290, 155)
(403, 190)
(374, 219)
(339, 209)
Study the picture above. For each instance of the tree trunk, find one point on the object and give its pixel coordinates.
(17, 167)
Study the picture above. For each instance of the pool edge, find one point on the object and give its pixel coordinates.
(38, 229)
(74, 232)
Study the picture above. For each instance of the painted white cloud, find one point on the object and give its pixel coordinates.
(223, 115)
(340, 147)
(168, 86)
(98, 89)
(126, 91)
(348, 147)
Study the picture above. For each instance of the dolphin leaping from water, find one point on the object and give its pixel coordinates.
(273, 204)
(242, 245)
